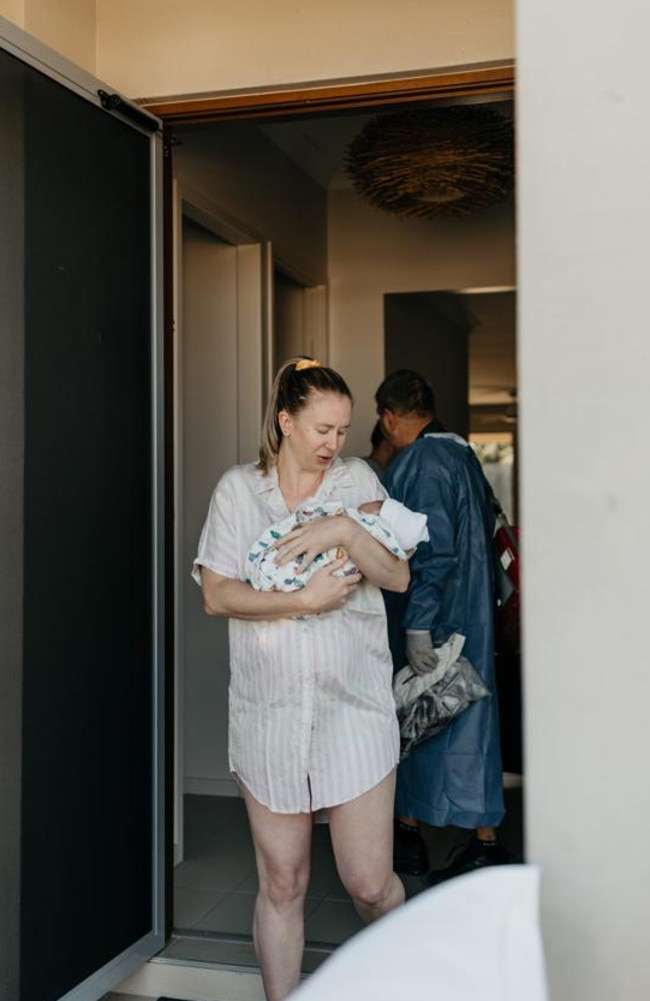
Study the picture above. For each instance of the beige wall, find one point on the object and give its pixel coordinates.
(153, 48)
(150, 48)
(67, 26)
(14, 11)
(373, 252)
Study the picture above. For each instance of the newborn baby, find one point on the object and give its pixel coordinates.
(388, 521)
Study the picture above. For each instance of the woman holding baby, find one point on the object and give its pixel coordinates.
(312, 718)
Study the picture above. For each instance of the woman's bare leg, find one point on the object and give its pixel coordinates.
(282, 851)
(362, 838)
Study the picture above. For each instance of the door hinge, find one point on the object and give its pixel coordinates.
(113, 102)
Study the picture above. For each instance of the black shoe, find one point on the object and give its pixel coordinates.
(409, 852)
(474, 855)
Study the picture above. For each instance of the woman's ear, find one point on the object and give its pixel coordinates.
(284, 422)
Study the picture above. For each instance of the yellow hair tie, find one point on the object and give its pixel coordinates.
(306, 363)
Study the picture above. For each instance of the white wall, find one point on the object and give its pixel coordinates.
(150, 48)
(584, 211)
(373, 252)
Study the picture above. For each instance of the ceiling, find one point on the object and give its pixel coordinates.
(317, 145)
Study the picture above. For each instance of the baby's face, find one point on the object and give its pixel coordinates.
(370, 507)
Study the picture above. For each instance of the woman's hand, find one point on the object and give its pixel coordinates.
(312, 538)
(326, 592)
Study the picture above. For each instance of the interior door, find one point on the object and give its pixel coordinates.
(81, 511)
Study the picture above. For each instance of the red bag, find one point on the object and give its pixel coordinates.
(507, 566)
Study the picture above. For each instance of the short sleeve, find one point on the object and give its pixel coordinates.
(218, 543)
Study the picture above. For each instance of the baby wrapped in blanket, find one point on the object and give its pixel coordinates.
(396, 527)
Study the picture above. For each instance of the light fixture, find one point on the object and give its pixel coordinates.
(452, 161)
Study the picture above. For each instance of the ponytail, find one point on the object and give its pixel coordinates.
(294, 383)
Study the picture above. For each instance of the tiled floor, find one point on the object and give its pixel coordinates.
(215, 886)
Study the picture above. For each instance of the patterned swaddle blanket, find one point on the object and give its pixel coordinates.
(266, 575)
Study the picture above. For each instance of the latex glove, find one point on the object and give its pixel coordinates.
(420, 654)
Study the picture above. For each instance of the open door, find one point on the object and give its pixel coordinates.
(81, 512)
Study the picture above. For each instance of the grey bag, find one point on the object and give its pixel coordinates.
(426, 704)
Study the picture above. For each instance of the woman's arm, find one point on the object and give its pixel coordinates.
(235, 599)
(376, 563)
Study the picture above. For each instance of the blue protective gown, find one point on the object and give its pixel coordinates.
(455, 777)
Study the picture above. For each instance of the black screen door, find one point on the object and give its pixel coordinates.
(80, 324)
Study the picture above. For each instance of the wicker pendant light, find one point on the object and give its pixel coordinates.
(437, 162)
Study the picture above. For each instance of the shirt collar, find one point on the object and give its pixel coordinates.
(338, 474)
(433, 427)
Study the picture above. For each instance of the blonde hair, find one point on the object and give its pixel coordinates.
(294, 383)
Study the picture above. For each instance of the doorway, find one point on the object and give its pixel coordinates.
(318, 235)
(464, 342)
(215, 880)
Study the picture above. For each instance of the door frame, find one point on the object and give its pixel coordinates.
(481, 80)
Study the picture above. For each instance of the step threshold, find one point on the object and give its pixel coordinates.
(209, 967)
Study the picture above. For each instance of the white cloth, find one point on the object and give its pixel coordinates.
(265, 574)
(474, 937)
(312, 716)
(410, 527)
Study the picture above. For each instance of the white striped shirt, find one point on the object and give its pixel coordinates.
(312, 716)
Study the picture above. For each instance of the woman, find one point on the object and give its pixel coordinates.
(312, 718)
